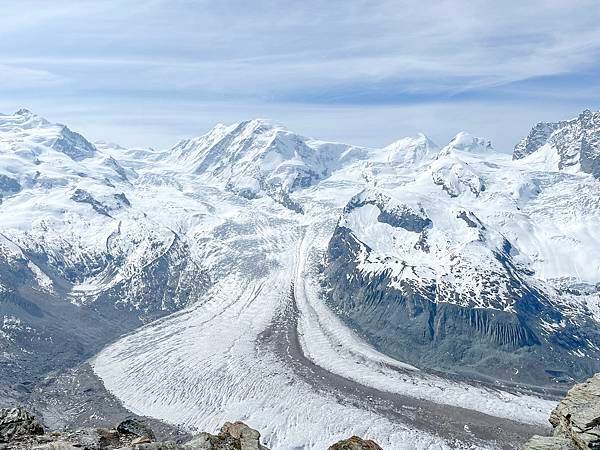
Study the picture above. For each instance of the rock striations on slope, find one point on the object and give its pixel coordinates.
(459, 269)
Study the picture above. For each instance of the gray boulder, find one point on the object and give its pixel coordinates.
(136, 428)
(355, 443)
(548, 443)
(94, 438)
(233, 436)
(16, 423)
(153, 446)
(58, 445)
(576, 420)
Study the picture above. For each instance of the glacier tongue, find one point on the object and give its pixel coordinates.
(235, 358)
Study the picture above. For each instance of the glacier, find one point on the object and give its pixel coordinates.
(207, 268)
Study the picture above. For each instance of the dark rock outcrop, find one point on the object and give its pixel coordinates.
(8, 186)
(17, 422)
(136, 428)
(398, 216)
(81, 196)
(578, 415)
(74, 145)
(577, 141)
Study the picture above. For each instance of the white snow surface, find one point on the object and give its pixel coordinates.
(206, 364)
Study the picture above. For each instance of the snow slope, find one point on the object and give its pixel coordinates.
(257, 157)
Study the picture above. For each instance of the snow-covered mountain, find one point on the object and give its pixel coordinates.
(258, 157)
(566, 145)
(262, 246)
(410, 150)
(479, 265)
(465, 142)
(81, 260)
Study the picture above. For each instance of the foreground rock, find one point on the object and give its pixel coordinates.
(135, 428)
(16, 422)
(233, 436)
(20, 430)
(576, 420)
(548, 443)
(355, 443)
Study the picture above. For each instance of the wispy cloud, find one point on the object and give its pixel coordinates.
(277, 54)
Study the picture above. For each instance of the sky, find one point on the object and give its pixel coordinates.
(148, 73)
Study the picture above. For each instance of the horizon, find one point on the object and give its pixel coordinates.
(149, 73)
(415, 135)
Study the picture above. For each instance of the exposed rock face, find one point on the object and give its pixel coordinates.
(82, 196)
(578, 415)
(576, 420)
(576, 142)
(537, 137)
(355, 443)
(16, 422)
(74, 145)
(8, 186)
(392, 290)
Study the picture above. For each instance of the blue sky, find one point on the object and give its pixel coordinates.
(367, 72)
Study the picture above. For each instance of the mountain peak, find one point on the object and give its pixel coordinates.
(23, 112)
(568, 144)
(260, 122)
(410, 150)
(466, 142)
(26, 125)
(22, 119)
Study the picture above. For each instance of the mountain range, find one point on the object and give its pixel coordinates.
(239, 272)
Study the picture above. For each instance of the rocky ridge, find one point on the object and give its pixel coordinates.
(19, 429)
(569, 143)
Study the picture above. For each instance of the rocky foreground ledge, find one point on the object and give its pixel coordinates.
(19, 429)
(576, 420)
